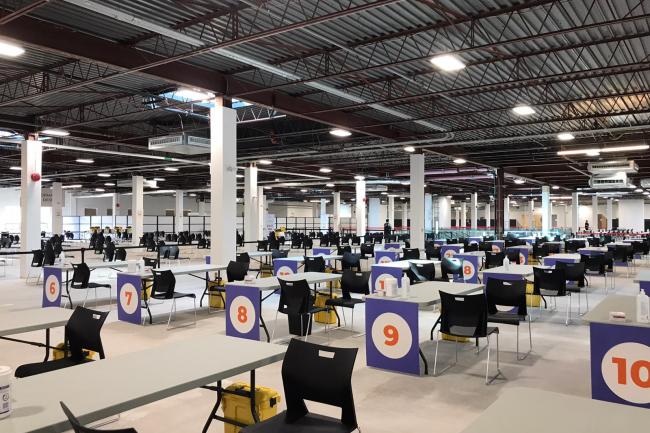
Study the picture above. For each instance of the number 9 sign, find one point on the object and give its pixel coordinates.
(391, 335)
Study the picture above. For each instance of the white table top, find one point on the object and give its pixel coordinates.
(517, 406)
(272, 283)
(131, 380)
(19, 321)
(597, 249)
(405, 264)
(91, 265)
(428, 293)
(259, 253)
(523, 270)
(473, 253)
(626, 304)
(642, 276)
(301, 259)
(574, 257)
(181, 270)
(529, 247)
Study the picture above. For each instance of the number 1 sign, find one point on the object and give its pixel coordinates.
(392, 339)
(129, 295)
(51, 287)
(243, 311)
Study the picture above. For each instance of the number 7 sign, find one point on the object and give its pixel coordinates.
(129, 295)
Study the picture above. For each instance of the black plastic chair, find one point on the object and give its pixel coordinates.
(81, 281)
(82, 334)
(308, 243)
(422, 272)
(551, 283)
(451, 267)
(493, 260)
(120, 254)
(367, 250)
(411, 254)
(331, 386)
(343, 249)
(235, 271)
(78, 428)
(595, 265)
(243, 258)
(296, 243)
(37, 262)
(351, 261)
(513, 257)
(466, 316)
(296, 299)
(314, 264)
(109, 252)
(432, 252)
(351, 282)
(163, 288)
(150, 262)
(507, 293)
(574, 272)
(262, 245)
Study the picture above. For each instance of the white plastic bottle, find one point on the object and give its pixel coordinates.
(406, 286)
(141, 265)
(642, 307)
(506, 262)
(5, 391)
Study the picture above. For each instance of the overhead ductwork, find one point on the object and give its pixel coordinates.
(609, 167)
(182, 144)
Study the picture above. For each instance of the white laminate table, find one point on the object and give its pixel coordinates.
(104, 388)
(517, 406)
(642, 276)
(428, 293)
(522, 270)
(20, 321)
(405, 264)
(622, 303)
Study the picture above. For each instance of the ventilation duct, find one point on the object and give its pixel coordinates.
(609, 167)
(615, 181)
(183, 144)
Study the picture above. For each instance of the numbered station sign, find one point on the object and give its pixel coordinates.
(439, 242)
(52, 286)
(470, 268)
(450, 251)
(523, 254)
(243, 311)
(322, 251)
(645, 286)
(497, 246)
(475, 239)
(284, 267)
(392, 246)
(386, 256)
(380, 273)
(620, 364)
(129, 296)
(392, 335)
(501, 276)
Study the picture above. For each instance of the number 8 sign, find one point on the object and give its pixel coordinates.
(243, 315)
(392, 340)
(51, 287)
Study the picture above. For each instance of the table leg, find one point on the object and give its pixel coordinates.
(262, 322)
(426, 364)
(47, 344)
(220, 392)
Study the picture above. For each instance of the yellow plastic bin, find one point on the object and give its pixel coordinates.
(328, 317)
(532, 300)
(215, 299)
(238, 407)
(58, 352)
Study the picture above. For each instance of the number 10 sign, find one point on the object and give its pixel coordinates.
(392, 340)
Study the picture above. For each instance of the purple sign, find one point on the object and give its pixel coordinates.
(523, 254)
(243, 311)
(450, 251)
(497, 246)
(475, 239)
(645, 286)
(470, 267)
(129, 296)
(382, 256)
(392, 339)
(52, 286)
(552, 260)
(207, 260)
(620, 364)
(380, 273)
(590, 252)
(439, 242)
(392, 246)
(282, 267)
(501, 276)
(321, 251)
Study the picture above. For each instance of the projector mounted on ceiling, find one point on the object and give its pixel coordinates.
(183, 144)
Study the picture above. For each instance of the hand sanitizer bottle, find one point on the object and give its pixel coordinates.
(642, 307)
(506, 262)
(406, 286)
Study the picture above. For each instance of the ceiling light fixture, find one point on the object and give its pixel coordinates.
(324, 170)
(523, 110)
(447, 62)
(409, 149)
(158, 179)
(638, 190)
(103, 175)
(459, 161)
(84, 161)
(555, 187)
(303, 190)
(520, 181)
(55, 132)
(15, 168)
(329, 185)
(358, 177)
(565, 136)
(593, 151)
(338, 132)
(100, 189)
(71, 186)
(265, 162)
(171, 169)
(10, 50)
(6, 133)
(194, 94)
(109, 184)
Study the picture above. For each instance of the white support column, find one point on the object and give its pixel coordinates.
(251, 204)
(428, 213)
(506, 214)
(463, 214)
(610, 213)
(405, 215)
(178, 211)
(31, 154)
(324, 219)
(261, 213)
(546, 210)
(57, 207)
(336, 211)
(458, 217)
(137, 208)
(360, 209)
(444, 212)
(223, 183)
(488, 216)
(391, 211)
(417, 201)
(594, 213)
(70, 208)
(114, 208)
(575, 218)
(473, 211)
(374, 214)
(531, 213)
(550, 215)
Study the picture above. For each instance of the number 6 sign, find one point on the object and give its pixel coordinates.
(129, 294)
(392, 337)
(51, 287)
(243, 311)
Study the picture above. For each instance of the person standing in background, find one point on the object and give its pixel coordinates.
(387, 229)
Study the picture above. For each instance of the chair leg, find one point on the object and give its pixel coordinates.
(171, 310)
(194, 299)
(487, 364)
(568, 312)
(435, 359)
(275, 325)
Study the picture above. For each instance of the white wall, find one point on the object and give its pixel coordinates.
(10, 212)
(153, 204)
(631, 214)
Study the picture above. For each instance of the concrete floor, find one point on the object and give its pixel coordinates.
(385, 402)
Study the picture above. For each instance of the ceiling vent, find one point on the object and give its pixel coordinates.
(645, 183)
(615, 181)
(609, 167)
(183, 144)
(376, 188)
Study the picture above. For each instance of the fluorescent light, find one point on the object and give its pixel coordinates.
(523, 110)
(406, 182)
(85, 161)
(325, 170)
(109, 184)
(520, 181)
(447, 62)
(594, 151)
(555, 187)
(71, 186)
(303, 190)
(46, 180)
(100, 189)
(359, 177)
(646, 193)
(240, 176)
(383, 193)
(194, 94)
(638, 190)
(268, 187)
(459, 161)
(329, 185)
(171, 169)
(192, 194)
(103, 175)
(55, 132)
(158, 179)
(10, 50)
(565, 136)
(409, 149)
(265, 162)
(340, 132)
(6, 133)
(14, 167)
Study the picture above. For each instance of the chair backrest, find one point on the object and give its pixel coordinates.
(296, 242)
(331, 386)
(368, 249)
(174, 252)
(620, 253)
(471, 247)
(237, 271)
(423, 271)
(550, 280)
(493, 260)
(432, 252)
(354, 282)
(150, 262)
(109, 252)
(49, 257)
(164, 283)
(356, 240)
(80, 276)
(513, 256)
(451, 266)
(82, 332)
(37, 258)
(294, 296)
(506, 293)
(343, 249)
(78, 428)
(279, 254)
(314, 264)
(243, 258)
(572, 271)
(411, 253)
(120, 254)
(308, 243)
(463, 314)
(350, 261)
(262, 245)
